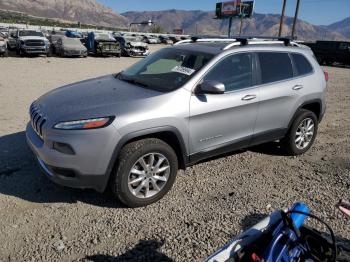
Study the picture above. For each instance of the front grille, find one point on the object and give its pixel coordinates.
(34, 43)
(73, 52)
(110, 47)
(37, 120)
(140, 49)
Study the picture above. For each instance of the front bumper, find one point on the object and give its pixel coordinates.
(87, 168)
(75, 53)
(35, 49)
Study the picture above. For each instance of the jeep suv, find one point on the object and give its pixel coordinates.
(181, 105)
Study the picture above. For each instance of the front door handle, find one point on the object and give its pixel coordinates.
(248, 97)
(297, 87)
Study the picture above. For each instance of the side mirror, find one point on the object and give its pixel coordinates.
(211, 87)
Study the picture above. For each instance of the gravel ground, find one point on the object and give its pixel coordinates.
(209, 204)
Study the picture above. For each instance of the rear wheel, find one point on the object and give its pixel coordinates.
(146, 171)
(302, 133)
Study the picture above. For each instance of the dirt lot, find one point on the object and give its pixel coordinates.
(209, 204)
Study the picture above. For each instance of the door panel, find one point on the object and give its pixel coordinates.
(277, 103)
(221, 120)
(278, 94)
(218, 120)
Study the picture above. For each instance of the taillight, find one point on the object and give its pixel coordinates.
(326, 76)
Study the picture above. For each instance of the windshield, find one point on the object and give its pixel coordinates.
(30, 33)
(166, 70)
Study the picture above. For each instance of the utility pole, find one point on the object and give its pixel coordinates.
(282, 18)
(240, 28)
(229, 27)
(295, 18)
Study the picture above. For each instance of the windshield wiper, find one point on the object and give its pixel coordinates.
(132, 81)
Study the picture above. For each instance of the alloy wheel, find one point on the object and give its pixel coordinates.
(149, 175)
(305, 133)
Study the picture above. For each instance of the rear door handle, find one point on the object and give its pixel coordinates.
(248, 97)
(297, 87)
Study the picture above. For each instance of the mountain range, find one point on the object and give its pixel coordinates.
(192, 22)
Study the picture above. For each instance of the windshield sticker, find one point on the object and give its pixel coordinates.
(183, 70)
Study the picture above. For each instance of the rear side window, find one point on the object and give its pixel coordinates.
(275, 67)
(302, 65)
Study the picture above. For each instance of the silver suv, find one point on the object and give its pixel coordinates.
(181, 105)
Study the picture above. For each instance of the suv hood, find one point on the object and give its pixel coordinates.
(99, 97)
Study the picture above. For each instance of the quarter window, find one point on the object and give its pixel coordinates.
(235, 72)
(302, 65)
(275, 67)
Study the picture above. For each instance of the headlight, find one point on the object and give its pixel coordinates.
(85, 124)
(22, 42)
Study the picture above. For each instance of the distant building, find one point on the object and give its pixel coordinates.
(178, 31)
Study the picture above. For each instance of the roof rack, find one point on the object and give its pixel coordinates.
(242, 41)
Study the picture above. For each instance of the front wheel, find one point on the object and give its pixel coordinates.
(302, 133)
(146, 171)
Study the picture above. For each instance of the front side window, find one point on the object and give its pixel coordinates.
(302, 65)
(275, 67)
(234, 71)
(167, 69)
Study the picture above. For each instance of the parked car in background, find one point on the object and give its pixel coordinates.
(150, 40)
(29, 42)
(53, 41)
(102, 44)
(73, 34)
(329, 52)
(70, 47)
(4, 34)
(3, 47)
(132, 46)
(165, 40)
(175, 39)
(12, 41)
(58, 32)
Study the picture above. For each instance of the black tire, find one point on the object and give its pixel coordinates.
(128, 156)
(289, 141)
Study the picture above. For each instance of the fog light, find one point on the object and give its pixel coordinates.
(63, 148)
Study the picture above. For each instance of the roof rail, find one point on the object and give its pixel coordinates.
(242, 41)
(205, 40)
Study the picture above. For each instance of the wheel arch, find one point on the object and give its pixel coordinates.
(314, 106)
(168, 134)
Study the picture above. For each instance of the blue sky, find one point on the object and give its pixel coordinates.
(319, 12)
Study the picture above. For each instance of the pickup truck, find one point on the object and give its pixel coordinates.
(30, 42)
(329, 52)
